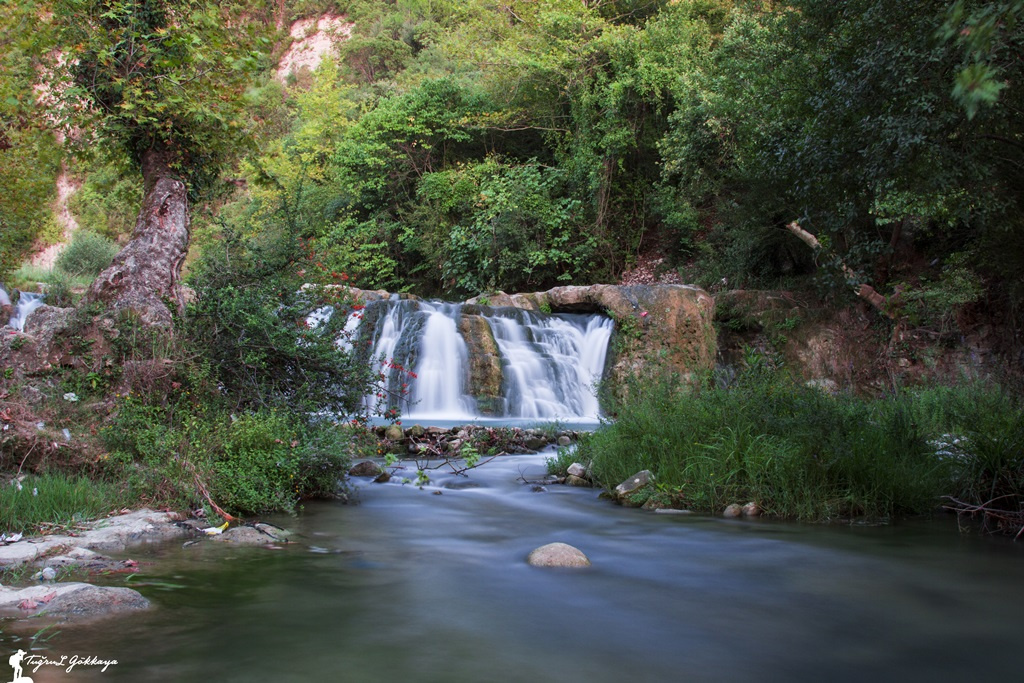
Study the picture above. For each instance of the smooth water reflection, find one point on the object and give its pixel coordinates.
(412, 586)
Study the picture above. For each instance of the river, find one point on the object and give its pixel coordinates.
(412, 586)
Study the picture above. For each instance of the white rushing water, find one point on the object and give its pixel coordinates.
(439, 389)
(550, 364)
(27, 302)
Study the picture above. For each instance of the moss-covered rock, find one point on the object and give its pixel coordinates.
(485, 375)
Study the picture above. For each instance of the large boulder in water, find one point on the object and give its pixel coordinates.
(79, 601)
(557, 555)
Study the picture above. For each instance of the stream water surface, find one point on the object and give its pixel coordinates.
(410, 586)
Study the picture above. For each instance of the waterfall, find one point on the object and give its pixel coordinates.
(551, 363)
(448, 361)
(27, 302)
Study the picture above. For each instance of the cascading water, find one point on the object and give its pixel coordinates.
(551, 363)
(547, 365)
(27, 302)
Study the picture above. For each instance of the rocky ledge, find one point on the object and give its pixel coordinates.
(81, 548)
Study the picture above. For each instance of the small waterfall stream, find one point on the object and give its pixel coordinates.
(27, 302)
(460, 363)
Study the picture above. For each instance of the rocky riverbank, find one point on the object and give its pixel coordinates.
(40, 560)
(420, 441)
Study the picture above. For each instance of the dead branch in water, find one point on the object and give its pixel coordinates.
(1003, 519)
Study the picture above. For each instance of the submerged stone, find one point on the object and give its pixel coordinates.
(536, 443)
(366, 468)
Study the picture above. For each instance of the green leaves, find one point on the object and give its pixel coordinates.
(165, 73)
(976, 85)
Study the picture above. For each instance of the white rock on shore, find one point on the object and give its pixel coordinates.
(69, 600)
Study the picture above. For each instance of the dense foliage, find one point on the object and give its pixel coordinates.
(462, 146)
(261, 407)
(459, 147)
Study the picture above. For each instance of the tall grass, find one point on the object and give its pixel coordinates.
(29, 277)
(802, 454)
(55, 499)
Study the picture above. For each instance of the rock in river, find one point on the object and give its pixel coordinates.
(366, 468)
(635, 483)
(558, 555)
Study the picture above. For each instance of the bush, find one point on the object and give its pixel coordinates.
(88, 254)
(250, 321)
(59, 289)
(257, 463)
(267, 461)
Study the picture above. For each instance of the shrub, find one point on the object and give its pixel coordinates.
(59, 289)
(250, 321)
(256, 463)
(267, 461)
(88, 254)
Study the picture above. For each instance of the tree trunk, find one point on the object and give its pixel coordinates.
(145, 275)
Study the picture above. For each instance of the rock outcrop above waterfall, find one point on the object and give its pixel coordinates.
(653, 323)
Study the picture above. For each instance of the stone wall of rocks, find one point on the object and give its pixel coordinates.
(420, 441)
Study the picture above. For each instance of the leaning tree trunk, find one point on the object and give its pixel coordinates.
(144, 277)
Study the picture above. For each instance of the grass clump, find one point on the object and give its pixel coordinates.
(803, 454)
(55, 499)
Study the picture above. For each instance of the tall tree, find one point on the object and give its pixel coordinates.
(29, 154)
(162, 78)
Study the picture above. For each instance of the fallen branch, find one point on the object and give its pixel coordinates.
(1004, 518)
(206, 494)
(863, 289)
